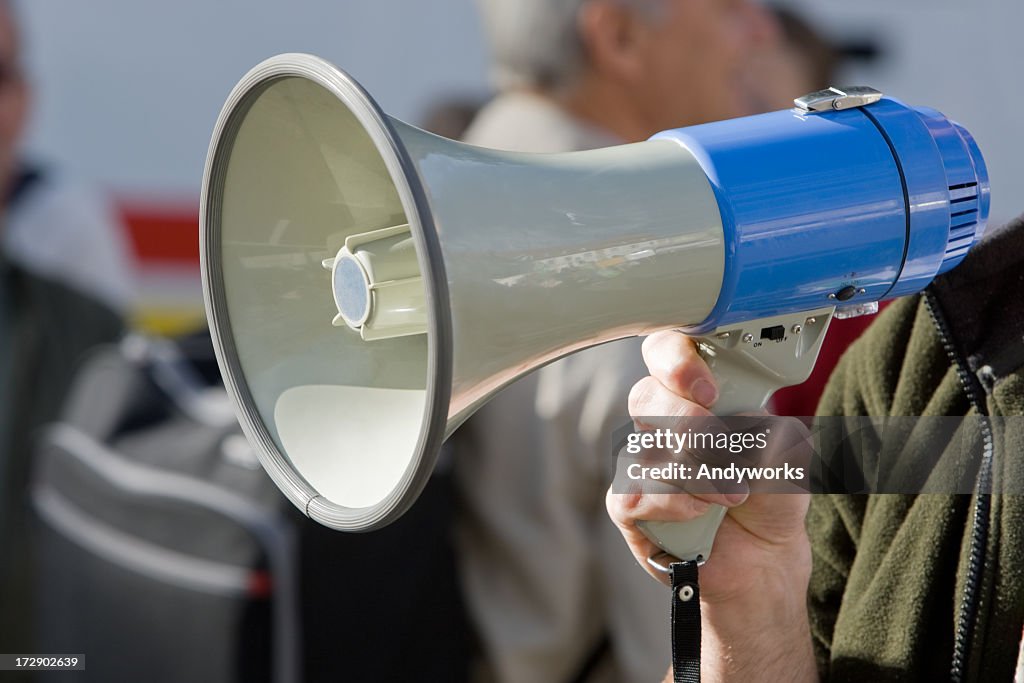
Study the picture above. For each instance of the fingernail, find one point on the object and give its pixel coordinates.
(737, 497)
(704, 392)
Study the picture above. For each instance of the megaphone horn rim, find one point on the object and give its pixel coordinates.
(414, 201)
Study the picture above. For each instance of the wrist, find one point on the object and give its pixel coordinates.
(761, 572)
(760, 631)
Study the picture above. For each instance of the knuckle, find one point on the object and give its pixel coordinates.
(684, 408)
(698, 506)
(653, 340)
(629, 503)
(640, 397)
(624, 508)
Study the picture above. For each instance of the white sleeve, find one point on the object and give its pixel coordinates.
(545, 571)
(69, 233)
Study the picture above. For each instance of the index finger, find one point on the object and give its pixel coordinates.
(672, 359)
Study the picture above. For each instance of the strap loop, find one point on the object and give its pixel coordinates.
(685, 622)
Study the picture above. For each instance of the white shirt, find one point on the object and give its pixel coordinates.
(546, 572)
(64, 231)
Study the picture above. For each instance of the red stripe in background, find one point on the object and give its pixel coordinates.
(164, 234)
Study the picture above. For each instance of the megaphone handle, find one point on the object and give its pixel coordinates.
(750, 361)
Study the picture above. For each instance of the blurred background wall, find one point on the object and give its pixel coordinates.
(127, 92)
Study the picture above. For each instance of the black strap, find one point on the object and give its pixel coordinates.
(685, 622)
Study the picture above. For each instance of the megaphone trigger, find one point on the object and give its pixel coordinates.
(750, 362)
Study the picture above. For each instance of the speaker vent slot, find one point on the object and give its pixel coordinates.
(963, 222)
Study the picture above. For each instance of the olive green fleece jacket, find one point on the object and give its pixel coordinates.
(887, 592)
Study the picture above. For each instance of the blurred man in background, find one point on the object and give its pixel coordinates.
(45, 327)
(53, 226)
(554, 593)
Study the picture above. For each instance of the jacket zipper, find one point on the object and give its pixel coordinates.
(978, 562)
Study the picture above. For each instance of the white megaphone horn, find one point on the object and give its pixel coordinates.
(369, 285)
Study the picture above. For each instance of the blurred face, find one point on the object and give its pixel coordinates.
(779, 75)
(13, 96)
(690, 58)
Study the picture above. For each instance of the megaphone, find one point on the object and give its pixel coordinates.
(369, 285)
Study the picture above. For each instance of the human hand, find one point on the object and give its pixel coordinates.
(762, 536)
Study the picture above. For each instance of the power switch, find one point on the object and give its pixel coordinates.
(774, 333)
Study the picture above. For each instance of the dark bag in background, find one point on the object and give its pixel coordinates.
(165, 553)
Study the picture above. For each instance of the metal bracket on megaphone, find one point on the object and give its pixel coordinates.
(751, 361)
(836, 99)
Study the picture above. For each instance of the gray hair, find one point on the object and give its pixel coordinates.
(534, 43)
(537, 43)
